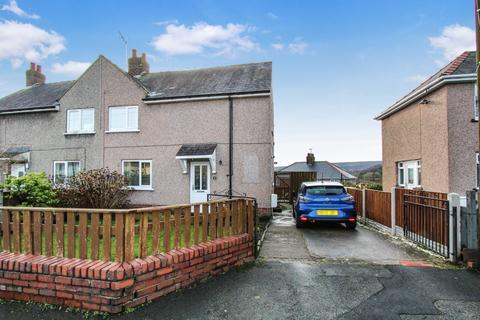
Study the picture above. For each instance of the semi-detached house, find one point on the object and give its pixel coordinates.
(430, 136)
(176, 136)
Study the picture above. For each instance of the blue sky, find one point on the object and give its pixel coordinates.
(336, 64)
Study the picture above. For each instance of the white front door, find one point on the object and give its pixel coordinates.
(199, 181)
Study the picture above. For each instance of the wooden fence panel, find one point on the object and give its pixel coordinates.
(121, 235)
(378, 206)
(358, 197)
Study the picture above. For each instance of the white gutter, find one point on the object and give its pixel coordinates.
(55, 108)
(172, 100)
(422, 92)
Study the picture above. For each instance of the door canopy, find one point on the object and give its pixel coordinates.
(199, 151)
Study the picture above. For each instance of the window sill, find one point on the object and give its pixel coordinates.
(141, 188)
(78, 133)
(121, 131)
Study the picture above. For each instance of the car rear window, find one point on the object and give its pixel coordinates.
(325, 190)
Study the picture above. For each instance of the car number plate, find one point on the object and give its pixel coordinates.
(327, 212)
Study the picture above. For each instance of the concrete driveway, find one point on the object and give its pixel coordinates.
(301, 275)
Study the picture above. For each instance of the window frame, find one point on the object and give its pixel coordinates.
(140, 187)
(416, 166)
(81, 110)
(125, 128)
(65, 162)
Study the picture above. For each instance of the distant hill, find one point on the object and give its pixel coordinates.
(359, 166)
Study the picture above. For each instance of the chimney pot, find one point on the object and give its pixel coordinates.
(138, 65)
(144, 56)
(134, 53)
(34, 75)
(310, 159)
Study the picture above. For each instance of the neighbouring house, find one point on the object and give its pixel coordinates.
(324, 169)
(177, 136)
(430, 136)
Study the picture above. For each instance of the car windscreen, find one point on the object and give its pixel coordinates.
(325, 190)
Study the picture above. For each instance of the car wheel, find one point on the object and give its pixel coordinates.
(351, 225)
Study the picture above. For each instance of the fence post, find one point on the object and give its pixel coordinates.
(392, 211)
(454, 225)
(364, 205)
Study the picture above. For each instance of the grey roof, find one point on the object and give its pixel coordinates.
(234, 79)
(13, 151)
(325, 170)
(199, 149)
(35, 97)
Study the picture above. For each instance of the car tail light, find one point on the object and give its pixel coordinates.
(351, 219)
(303, 219)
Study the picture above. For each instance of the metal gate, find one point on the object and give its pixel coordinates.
(426, 222)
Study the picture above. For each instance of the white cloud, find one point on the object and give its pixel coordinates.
(13, 7)
(71, 68)
(297, 47)
(272, 15)
(417, 78)
(166, 22)
(278, 46)
(454, 40)
(24, 41)
(220, 40)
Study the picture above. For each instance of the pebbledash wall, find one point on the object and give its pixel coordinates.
(113, 286)
(163, 128)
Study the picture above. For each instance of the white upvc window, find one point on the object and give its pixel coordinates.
(409, 174)
(63, 170)
(123, 119)
(81, 120)
(475, 103)
(138, 173)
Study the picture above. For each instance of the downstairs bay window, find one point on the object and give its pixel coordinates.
(138, 173)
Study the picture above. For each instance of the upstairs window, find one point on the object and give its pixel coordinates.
(80, 120)
(123, 118)
(62, 170)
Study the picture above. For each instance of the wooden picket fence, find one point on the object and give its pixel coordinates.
(121, 235)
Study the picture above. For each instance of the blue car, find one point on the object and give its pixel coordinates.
(324, 201)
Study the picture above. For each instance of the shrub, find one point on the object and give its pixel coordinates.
(97, 188)
(31, 190)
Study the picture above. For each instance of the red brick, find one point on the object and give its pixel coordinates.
(63, 280)
(136, 302)
(73, 304)
(90, 306)
(122, 284)
(111, 309)
(45, 278)
(164, 271)
(165, 284)
(46, 292)
(30, 290)
(28, 276)
(146, 291)
(11, 275)
(6, 281)
(100, 284)
(81, 282)
(146, 276)
(42, 285)
(64, 295)
(196, 261)
(20, 283)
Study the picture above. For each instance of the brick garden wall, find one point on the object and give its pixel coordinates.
(114, 286)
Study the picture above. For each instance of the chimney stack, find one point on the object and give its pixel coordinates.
(310, 159)
(138, 65)
(34, 75)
